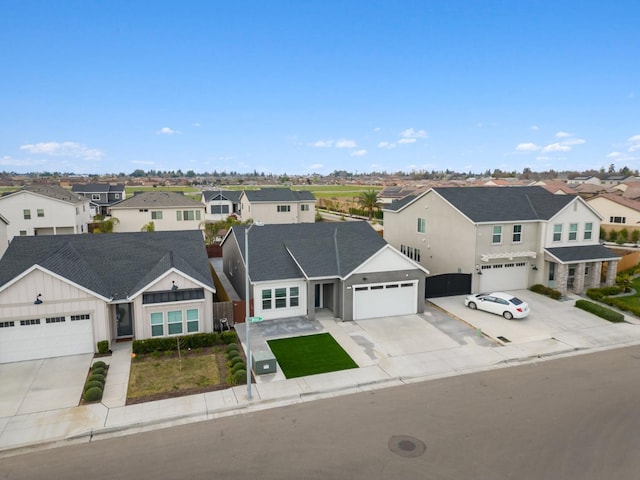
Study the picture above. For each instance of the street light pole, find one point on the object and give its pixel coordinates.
(247, 320)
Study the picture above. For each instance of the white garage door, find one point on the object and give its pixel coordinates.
(34, 338)
(385, 300)
(504, 276)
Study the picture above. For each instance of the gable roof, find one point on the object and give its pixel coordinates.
(582, 253)
(619, 199)
(158, 200)
(324, 249)
(231, 195)
(52, 191)
(97, 188)
(278, 195)
(132, 262)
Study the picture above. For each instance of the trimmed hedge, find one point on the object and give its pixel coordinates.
(600, 311)
(549, 292)
(239, 377)
(103, 346)
(99, 364)
(93, 394)
(99, 371)
(93, 383)
(231, 346)
(238, 366)
(196, 340)
(96, 377)
(235, 360)
(232, 354)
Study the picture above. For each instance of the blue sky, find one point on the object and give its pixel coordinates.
(303, 87)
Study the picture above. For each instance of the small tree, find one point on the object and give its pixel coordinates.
(613, 235)
(106, 226)
(148, 227)
(368, 200)
(635, 236)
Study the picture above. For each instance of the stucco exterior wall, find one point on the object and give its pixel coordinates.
(268, 214)
(608, 208)
(132, 220)
(576, 212)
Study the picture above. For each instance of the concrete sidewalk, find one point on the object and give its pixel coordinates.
(385, 358)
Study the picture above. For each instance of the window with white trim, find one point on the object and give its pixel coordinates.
(588, 230)
(156, 214)
(174, 322)
(617, 219)
(557, 232)
(517, 234)
(422, 225)
(27, 214)
(573, 231)
(284, 208)
(157, 324)
(294, 297)
(496, 236)
(281, 298)
(266, 299)
(95, 196)
(40, 212)
(193, 317)
(304, 207)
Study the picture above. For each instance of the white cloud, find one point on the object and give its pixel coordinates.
(573, 141)
(411, 133)
(634, 139)
(14, 162)
(316, 166)
(542, 158)
(386, 145)
(614, 154)
(359, 153)
(143, 162)
(323, 143)
(407, 140)
(562, 134)
(343, 143)
(556, 147)
(534, 128)
(377, 129)
(196, 124)
(63, 149)
(527, 147)
(167, 131)
(634, 147)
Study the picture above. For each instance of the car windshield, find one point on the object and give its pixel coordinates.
(516, 301)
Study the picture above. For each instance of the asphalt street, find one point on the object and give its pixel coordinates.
(569, 418)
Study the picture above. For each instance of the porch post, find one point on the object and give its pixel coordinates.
(612, 270)
(596, 271)
(562, 276)
(578, 282)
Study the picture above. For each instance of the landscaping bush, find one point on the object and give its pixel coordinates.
(600, 311)
(93, 394)
(231, 346)
(549, 292)
(95, 377)
(196, 340)
(99, 371)
(103, 347)
(235, 360)
(99, 364)
(239, 377)
(238, 366)
(228, 336)
(232, 354)
(93, 383)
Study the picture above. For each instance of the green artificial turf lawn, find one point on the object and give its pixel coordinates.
(310, 355)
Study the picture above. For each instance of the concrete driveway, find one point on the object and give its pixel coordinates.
(42, 385)
(548, 318)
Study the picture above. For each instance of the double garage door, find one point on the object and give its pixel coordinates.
(35, 338)
(385, 300)
(504, 276)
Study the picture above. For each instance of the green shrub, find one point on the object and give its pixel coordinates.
(93, 383)
(99, 364)
(196, 340)
(93, 394)
(232, 354)
(236, 360)
(231, 346)
(600, 311)
(238, 366)
(95, 377)
(103, 346)
(239, 377)
(549, 292)
(228, 336)
(99, 371)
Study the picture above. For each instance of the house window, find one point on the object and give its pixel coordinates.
(573, 231)
(156, 214)
(284, 208)
(422, 225)
(23, 233)
(174, 322)
(517, 234)
(95, 196)
(266, 299)
(157, 325)
(617, 219)
(588, 230)
(497, 234)
(117, 195)
(27, 214)
(188, 215)
(169, 296)
(557, 232)
(281, 298)
(192, 320)
(41, 212)
(220, 209)
(294, 298)
(142, 210)
(304, 207)
(179, 215)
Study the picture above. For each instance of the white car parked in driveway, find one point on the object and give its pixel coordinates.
(499, 303)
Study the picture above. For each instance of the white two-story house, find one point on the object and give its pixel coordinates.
(169, 211)
(277, 206)
(44, 210)
(220, 204)
(475, 239)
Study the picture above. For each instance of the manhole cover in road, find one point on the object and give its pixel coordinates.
(406, 446)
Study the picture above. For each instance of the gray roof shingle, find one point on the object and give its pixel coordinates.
(113, 265)
(158, 200)
(279, 195)
(230, 195)
(582, 253)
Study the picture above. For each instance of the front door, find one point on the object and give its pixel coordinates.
(123, 320)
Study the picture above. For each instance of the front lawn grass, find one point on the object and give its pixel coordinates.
(632, 301)
(160, 376)
(310, 355)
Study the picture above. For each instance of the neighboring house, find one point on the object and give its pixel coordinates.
(101, 195)
(557, 187)
(4, 239)
(60, 295)
(45, 210)
(612, 180)
(169, 211)
(572, 182)
(395, 193)
(345, 267)
(476, 239)
(277, 205)
(617, 212)
(219, 204)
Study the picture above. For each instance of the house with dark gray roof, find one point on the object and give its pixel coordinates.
(4, 239)
(219, 204)
(165, 210)
(278, 205)
(60, 295)
(475, 239)
(45, 210)
(101, 195)
(344, 267)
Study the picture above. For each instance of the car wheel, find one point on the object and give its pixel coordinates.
(507, 315)
(472, 305)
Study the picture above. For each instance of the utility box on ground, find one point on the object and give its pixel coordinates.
(263, 362)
